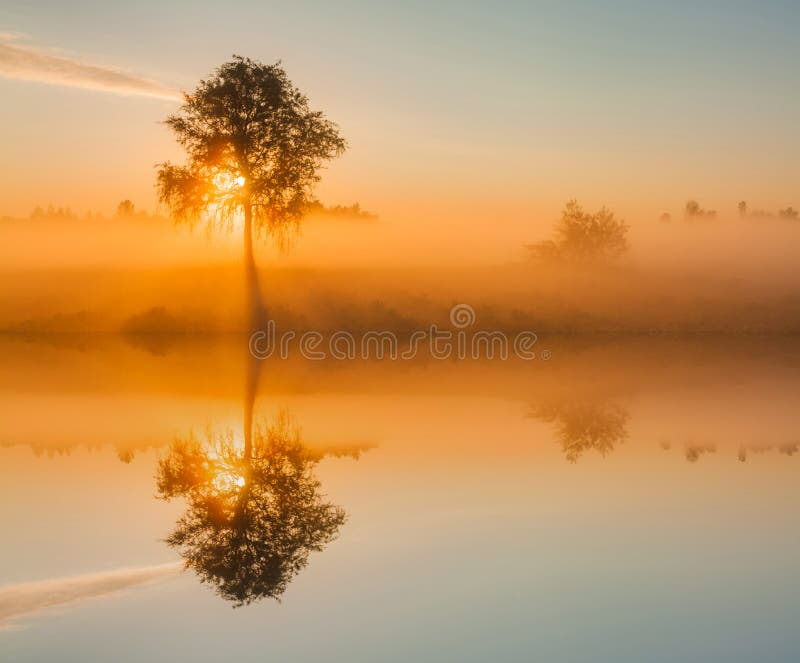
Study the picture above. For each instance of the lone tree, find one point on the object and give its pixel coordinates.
(581, 235)
(254, 151)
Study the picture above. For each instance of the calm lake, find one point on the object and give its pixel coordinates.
(629, 499)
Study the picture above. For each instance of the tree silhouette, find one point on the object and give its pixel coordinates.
(693, 211)
(254, 150)
(742, 207)
(584, 426)
(254, 513)
(126, 210)
(584, 236)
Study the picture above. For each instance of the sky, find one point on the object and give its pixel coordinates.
(477, 118)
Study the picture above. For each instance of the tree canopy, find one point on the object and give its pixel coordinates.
(252, 144)
(583, 235)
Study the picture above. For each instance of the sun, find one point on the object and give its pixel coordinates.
(226, 480)
(226, 182)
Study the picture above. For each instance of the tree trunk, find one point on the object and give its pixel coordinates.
(252, 321)
(252, 292)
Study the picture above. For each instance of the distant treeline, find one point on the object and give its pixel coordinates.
(693, 211)
(126, 209)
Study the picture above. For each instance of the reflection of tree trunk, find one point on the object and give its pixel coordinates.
(253, 293)
(252, 370)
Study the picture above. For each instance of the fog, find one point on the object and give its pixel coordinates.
(139, 273)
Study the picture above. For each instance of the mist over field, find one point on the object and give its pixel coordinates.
(144, 274)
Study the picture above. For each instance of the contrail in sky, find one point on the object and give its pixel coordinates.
(30, 63)
(31, 597)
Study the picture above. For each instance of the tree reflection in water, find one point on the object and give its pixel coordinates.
(581, 427)
(255, 511)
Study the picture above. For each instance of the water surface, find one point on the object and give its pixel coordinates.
(626, 500)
